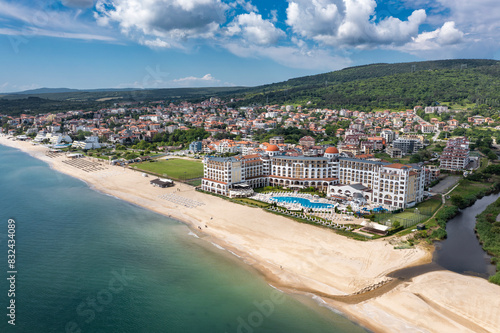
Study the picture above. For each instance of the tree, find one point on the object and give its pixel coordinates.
(415, 158)
(492, 156)
(458, 201)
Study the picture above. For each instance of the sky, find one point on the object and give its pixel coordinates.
(90, 44)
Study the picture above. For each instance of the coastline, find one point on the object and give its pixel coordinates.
(303, 259)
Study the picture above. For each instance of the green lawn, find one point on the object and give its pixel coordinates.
(429, 206)
(175, 168)
(253, 202)
(405, 219)
(454, 106)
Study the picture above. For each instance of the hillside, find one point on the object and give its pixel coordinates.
(380, 86)
(15, 104)
(369, 87)
(62, 94)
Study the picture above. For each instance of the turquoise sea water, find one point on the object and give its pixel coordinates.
(88, 262)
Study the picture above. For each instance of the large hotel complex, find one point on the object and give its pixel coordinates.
(392, 184)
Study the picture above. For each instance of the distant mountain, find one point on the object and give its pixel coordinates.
(43, 91)
(40, 91)
(127, 94)
(15, 104)
(365, 88)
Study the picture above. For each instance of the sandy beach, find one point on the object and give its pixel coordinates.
(301, 258)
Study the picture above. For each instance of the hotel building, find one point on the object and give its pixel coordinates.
(395, 185)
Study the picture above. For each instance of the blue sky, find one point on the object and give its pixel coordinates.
(88, 44)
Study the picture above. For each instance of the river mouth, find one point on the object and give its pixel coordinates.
(461, 251)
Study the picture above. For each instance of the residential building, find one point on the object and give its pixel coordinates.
(432, 173)
(196, 146)
(307, 142)
(407, 145)
(90, 142)
(455, 155)
(394, 152)
(388, 135)
(277, 140)
(54, 138)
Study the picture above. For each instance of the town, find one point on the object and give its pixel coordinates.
(385, 160)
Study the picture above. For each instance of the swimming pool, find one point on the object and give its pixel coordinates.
(303, 202)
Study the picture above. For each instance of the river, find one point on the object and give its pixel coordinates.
(461, 252)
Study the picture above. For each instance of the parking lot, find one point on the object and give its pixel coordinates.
(445, 184)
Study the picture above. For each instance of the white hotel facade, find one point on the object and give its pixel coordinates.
(395, 185)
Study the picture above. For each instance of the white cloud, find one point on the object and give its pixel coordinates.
(254, 29)
(153, 80)
(246, 5)
(443, 42)
(206, 80)
(472, 29)
(155, 43)
(312, 18)
(448, 34)
(274, 15)
(31, 21)
(350, 23)
(171, 21)
(29, 32)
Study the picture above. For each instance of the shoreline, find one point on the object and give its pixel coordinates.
(301, 259)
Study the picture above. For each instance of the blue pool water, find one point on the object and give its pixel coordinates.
(303, 202)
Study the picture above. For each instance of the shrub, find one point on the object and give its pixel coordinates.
(439, 233)
(495, 278)
(447, 213)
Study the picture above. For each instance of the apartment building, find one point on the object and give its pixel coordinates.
(408, 145)
(432, 173)
(455, 155)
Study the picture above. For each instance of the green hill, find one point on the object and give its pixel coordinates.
(369, 87)
(377, 86)
(15, 104)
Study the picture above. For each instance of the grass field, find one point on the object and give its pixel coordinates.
(467, 187)
(173, 168)
(406, 219)
(410, 216)
(428, 207)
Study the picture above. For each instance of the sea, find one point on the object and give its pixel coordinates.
(89, 262)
